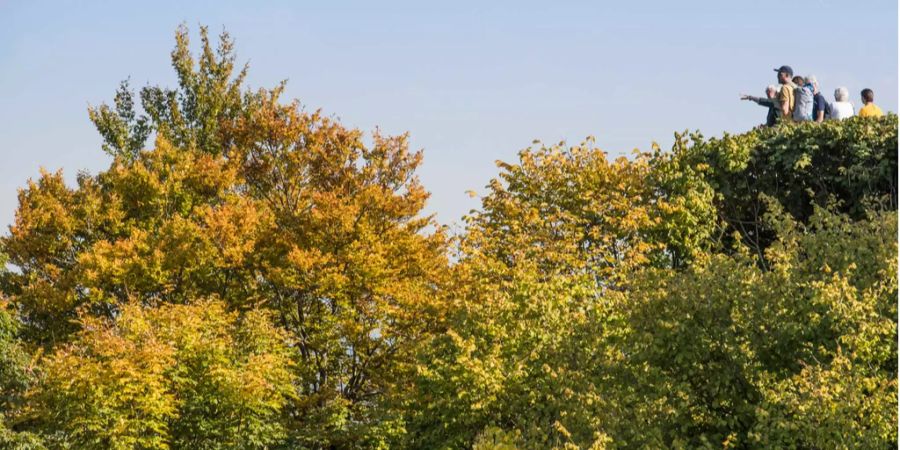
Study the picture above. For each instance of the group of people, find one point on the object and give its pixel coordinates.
(798, 99)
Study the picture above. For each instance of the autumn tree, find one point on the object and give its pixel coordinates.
(349, 264)
(253, 203)
(262, 276)
(690, 340)
(531, 305)
(209, 95)
(174, 376)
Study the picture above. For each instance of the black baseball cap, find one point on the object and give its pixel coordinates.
(785, 69)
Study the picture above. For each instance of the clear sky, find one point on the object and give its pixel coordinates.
(472, 82)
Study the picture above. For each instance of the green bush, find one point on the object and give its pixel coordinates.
(851, 164)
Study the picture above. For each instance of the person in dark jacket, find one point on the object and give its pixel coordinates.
(821, 107)
(769, 102)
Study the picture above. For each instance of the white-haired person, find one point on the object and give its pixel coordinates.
(768, 102)
(821, 108)
(842, 108)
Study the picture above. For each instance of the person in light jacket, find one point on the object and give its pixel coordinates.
(842, 108)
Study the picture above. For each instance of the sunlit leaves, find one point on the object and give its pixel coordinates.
(177, 376)
(263, 277)
(646, 326)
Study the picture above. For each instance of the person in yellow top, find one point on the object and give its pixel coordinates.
(784, 100)
(870, 109)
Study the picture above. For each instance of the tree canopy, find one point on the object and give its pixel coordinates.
(262, 276)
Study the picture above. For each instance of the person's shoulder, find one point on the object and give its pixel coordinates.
(869, 110)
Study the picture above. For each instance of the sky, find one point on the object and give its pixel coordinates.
(472, 82)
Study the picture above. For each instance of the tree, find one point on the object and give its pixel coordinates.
(694, 342)
(531, 301)
(255, 204)
(851, 165)
(16, 376)
(729, 351)
(348, 263)
(166, 225)
(263, 277)
(208, 96)
(174, 376)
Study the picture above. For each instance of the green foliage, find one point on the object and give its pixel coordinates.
(852, 164)
(209, 95)
(14, 361)
(16, 377)
(263, 277)
(712, 345)
(522, 348)
(493, 438)
(689, 222)
(176, 376)
(561, 349)
(123, 131)
(829, 406)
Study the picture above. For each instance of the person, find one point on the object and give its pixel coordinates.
(768, 102)
(841, 108)
(784, 101)
(803, 100)
(869, 108)
(821, 108)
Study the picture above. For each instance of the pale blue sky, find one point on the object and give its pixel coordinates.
(471, 82)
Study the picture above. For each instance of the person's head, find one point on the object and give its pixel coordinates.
(814, 82)
(868, 96)
(841, 94)
(785, 73)
(771, 91)
(798, 80)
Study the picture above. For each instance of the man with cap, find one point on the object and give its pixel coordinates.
(785, 98)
